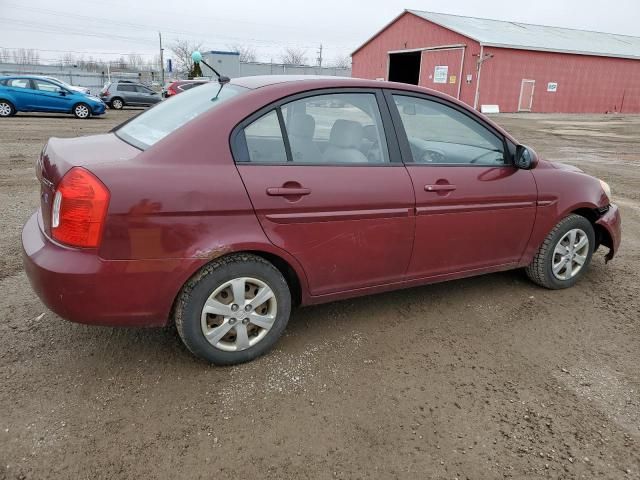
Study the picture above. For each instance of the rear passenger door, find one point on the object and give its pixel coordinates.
(21, 92)
(324, 175)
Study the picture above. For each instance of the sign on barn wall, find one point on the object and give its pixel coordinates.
(552, 87)
(441, 74)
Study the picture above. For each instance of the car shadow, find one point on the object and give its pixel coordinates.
(162, 346)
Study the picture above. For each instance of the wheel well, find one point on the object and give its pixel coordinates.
(602, 235)
(287, 272)
(8, 101)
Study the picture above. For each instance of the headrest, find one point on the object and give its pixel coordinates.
(346, 134)
(302, 125)
(371, 133)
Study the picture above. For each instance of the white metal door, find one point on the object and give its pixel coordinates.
(526, 95)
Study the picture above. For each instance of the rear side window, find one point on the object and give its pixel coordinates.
(264, 140)
(19, 83)
(329, 129)
(337, 128)
(126, 88)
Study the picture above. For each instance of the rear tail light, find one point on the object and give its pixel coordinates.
(105, 93)
(79, 209)
(171, 91)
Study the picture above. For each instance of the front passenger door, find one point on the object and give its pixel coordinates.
(474, 209)
(49, 97)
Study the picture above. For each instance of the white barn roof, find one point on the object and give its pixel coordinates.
(524, 36)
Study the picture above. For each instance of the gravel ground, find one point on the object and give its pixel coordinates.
(482, 378)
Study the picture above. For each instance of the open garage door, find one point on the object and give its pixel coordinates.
(404, 67)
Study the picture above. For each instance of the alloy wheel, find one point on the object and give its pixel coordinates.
(570, 254)
(5, 109)
(238, 314)
(82, 111)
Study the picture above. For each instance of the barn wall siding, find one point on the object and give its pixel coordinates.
(586, 84)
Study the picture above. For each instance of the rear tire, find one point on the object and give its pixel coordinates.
(233, 310)
(564, 255)
(6, 108)
(82, 111)
(117, 103)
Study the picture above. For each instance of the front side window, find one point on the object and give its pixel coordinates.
(439, 134)
(48, 87)
(156, 123)
(337, 128)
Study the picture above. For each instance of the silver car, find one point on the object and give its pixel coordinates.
(120, 93)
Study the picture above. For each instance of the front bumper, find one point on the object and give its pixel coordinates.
(81, 287)
(611, 222)
(99, 109)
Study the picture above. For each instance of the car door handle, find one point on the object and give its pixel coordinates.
(440, 188)
(287, 191)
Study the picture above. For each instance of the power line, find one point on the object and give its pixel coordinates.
(85, 52)
(102, 21)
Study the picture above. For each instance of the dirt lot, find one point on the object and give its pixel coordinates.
(483, 378)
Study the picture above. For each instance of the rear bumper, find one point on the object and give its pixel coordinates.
(81, 287)
(612, 224)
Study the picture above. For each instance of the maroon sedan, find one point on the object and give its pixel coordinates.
(224, 206)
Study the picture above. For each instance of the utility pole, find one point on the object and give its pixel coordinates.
(320, 56)
(161, 61)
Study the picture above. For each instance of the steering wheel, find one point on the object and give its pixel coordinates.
(433, 156)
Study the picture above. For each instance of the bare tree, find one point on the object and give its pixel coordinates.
(5, 55)
(341, 61)
(135, 61)
(182, 50)
(26, 56)
(293, 56)
(247, 53)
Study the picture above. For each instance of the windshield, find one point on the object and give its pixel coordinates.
(158, 122)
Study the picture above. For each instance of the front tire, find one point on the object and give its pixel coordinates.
(564, 255)
(6, 108)
(81, 111)
(233, 310)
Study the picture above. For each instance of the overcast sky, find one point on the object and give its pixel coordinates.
(101, 27)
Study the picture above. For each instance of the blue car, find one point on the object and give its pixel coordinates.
(28, 93)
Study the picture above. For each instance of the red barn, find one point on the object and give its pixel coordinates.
(514, 66)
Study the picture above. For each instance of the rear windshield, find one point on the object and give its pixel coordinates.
(156, 123)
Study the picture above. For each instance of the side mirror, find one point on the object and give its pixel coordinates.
(525, 158)
(62, 92)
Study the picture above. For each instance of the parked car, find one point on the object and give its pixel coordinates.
(226, 206)
(75, 88)
(23, 93)
(120, 93)
(179, 86)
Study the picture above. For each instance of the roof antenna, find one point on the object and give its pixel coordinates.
(197, 58)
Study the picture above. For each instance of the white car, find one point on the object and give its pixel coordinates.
(84, 90)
